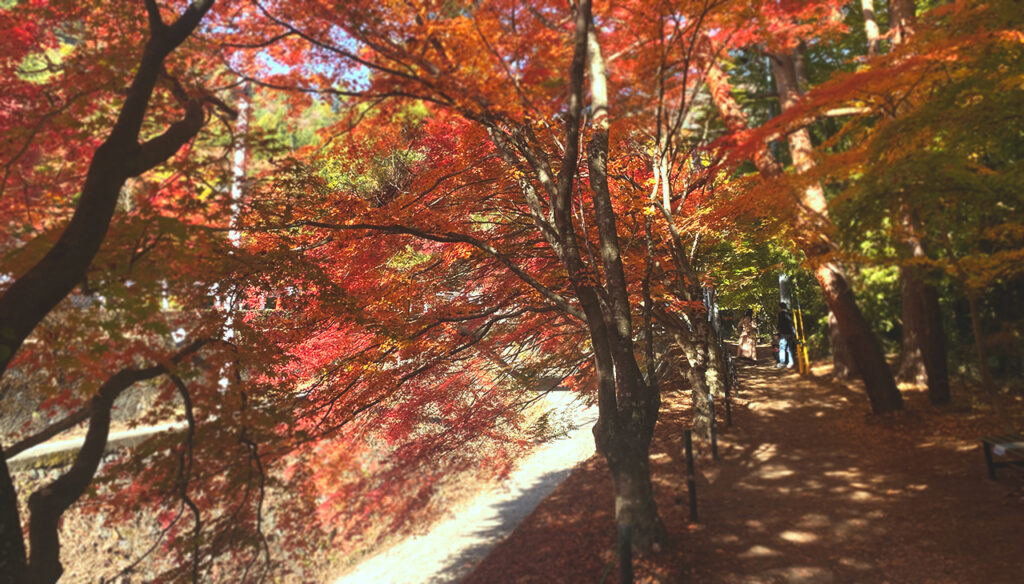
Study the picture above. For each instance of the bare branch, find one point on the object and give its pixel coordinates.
(185, 471)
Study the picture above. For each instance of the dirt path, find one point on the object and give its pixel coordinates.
(809, 489)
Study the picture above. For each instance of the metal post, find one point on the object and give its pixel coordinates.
(626, 553)
(785, 290)
(691, 482)
(798, 321)
(728, 392)
(714, 426)
(801, 348)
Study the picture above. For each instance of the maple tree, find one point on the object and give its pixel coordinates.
(34, 293)
(450, 206)
(882, 94)
(527, 213)
(253, 389)
(919, 73)
(142, 281)
(923, 350)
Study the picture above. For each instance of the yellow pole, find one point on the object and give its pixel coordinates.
(801, 351)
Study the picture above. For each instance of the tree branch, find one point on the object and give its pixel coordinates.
(156, 22)
(45, 434)
(452, 237)
(158, 150)
(49, 503)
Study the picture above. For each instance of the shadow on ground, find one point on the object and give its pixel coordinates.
(809, 489)
(504, 514)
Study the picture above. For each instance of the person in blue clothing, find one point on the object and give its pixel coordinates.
(787, 338)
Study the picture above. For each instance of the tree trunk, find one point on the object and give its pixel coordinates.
(627, 414)
(864, 346)
(627, 405)
(902, 20)
(36, 292)
(624, 440)
(814, 226)
(979, 342)
(628, 461)
(923, 348)
(693, 367)
(867, 8)
(923, 355)
(842, 359)
(718, 378)
(717, 365)
(13, 562)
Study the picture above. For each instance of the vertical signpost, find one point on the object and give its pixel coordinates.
(691, 480)
(787, 294)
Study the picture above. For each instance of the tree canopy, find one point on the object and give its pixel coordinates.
(326, 235)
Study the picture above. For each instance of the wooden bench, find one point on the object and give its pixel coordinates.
(1008, 447)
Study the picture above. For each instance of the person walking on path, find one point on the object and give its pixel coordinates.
(747, 344)
(787, 338)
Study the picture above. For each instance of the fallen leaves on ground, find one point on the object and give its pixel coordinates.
(809, 488)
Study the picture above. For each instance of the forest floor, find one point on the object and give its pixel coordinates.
(809, 488)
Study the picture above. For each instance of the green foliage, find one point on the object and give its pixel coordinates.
(878, 295)
(277, 116)
(747, 274)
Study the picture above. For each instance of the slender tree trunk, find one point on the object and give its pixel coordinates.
(637, 402)
(718, 365)
(867, 8)
(979, 340)
(694, 369)
(627, 405)
(709, 334)
(702, 364)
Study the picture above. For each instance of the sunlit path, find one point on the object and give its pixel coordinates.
(455, 545)
(810, 488)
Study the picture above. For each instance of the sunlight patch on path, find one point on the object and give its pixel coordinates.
(451, 549)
